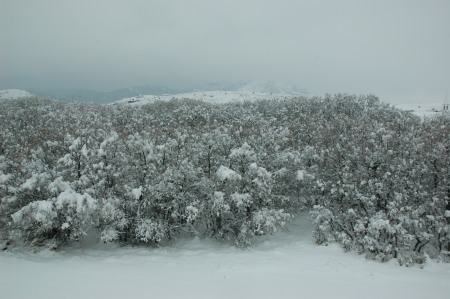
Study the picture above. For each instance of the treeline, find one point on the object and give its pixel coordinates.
(374, 178)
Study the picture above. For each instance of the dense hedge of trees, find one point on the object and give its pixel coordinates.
(374, 178)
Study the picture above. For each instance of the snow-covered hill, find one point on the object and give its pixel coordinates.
(214, 97)
(11, 94)
(422, 110)
(285, 265)
(250, 93)
(239, 92)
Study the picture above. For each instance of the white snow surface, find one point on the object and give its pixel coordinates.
(423, 110)
(284, 265)
(12, 94)
(252, 93)
(213, 97)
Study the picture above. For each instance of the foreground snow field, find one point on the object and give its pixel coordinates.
(284, 265)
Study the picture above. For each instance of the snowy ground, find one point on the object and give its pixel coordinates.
(11, 94)
(213, 97)
(219, 97)
(423, 110)
(284, 265)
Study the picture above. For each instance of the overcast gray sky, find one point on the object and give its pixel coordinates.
(384, 47)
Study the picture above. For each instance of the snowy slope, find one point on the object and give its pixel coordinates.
(422, 110)
(285, 265)
(214, 97)
(256, 90)
(11, 94)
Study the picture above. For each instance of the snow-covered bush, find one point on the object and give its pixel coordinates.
(374, 178)
(149, 230)
(61, 219)
(34, 222)
(112, 220)
(242, 205)
(385, 197)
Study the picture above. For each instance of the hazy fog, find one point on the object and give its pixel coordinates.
(392, 48)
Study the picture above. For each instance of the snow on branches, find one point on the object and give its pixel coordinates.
(374, 178)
